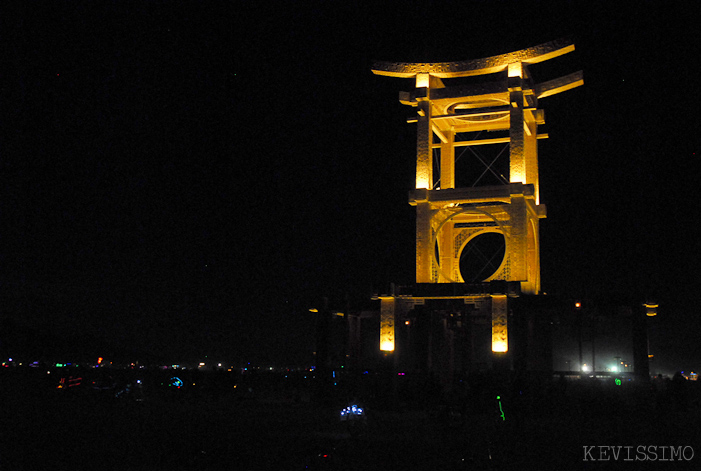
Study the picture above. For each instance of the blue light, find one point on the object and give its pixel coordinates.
(351, 411)
(175, 381)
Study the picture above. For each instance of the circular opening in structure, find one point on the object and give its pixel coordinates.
(482, 257)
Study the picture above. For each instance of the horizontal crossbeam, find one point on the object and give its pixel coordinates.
(482, 142)
(559, 85)
(487, 65)
(467, 114)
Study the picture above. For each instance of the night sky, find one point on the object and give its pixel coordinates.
(183, 179)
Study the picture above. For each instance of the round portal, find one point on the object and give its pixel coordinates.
(482, 256)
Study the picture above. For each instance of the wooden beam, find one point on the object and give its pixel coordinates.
(558, 85)
(482, 142)
(470, 113)
(487, 65)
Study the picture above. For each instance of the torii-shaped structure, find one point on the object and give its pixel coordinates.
(449, 218)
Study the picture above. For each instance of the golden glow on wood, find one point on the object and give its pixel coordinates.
(500, 340)
(516, 70)
(487, 65)
(387, 324)
(447, 110)
(518, 176)
(558, 85)
(484, 142)
(422, 80)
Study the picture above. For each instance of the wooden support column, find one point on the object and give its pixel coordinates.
(446, 253)
(424, 135)
(531, 151)
(448, 160)
(500, 338)
(387, 308)
(517, 133)
(517, 244)
(424, 250)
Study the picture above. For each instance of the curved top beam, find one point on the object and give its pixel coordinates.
(487, 65)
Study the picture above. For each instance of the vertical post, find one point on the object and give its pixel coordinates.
(500, 340)
(424, 135)
(578, 310)
(517, 172)
(448, 160)
(446, 253)
(517, 243)
(531, 149)
(387, 308)
(424, 179)
(640, 352)
(533, 256)
(593, 344)
(423, 242)
(445, 242)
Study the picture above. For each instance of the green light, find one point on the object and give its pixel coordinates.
(500, 409)
(618, 382)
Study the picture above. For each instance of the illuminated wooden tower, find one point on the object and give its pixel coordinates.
(477, 193)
